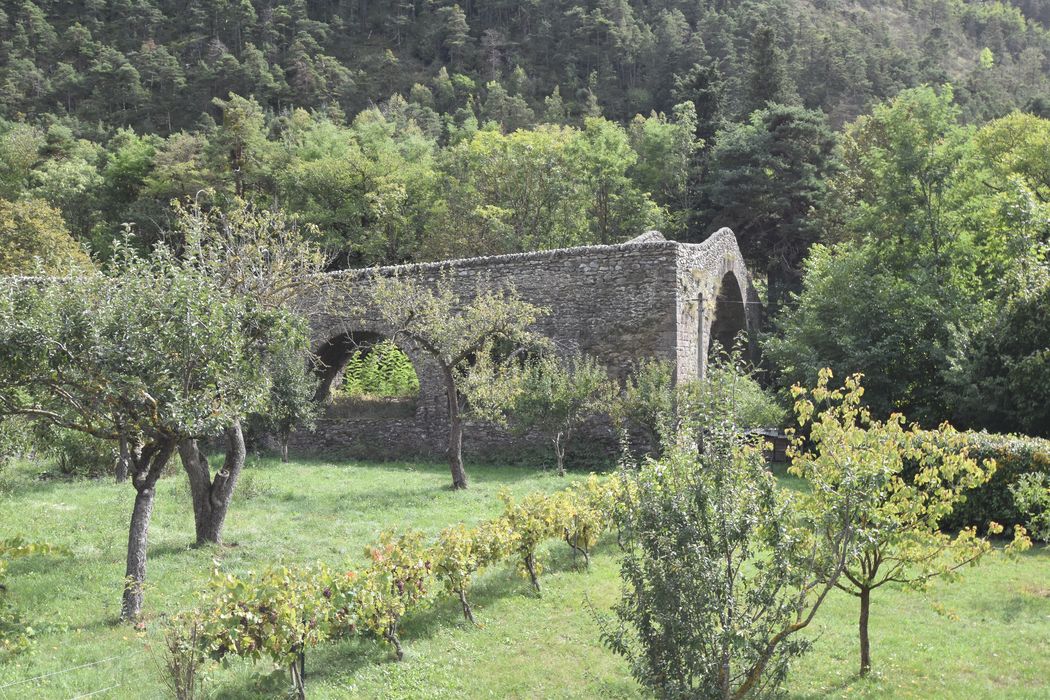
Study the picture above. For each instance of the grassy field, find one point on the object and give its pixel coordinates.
(994, 643)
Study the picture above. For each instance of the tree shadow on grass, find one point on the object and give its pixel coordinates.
(478, 472)
(833, 690)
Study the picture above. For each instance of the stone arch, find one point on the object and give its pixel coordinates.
(718, 302)
(332, 356)
(333, 353)
(730, 317)
(647, 298)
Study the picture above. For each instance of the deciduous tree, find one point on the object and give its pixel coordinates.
(35, 240)
(453, 329)
(261, 255)
(718, 575)
(149, 353)
(908, 481)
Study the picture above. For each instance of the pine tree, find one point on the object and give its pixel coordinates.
(767, 78)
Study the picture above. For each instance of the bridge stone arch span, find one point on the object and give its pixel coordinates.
(647, 298)
(717, 300)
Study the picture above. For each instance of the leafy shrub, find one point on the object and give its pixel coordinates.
(184, 656)
(81, 455)
(284, 611)
(654, 404)
(729, 376)
(250, 487)
(536, 518)
(1014, 455)
(557, 395)
(688, 622)
(278, 614)
(586, 515)
(1031, 495)
(291, 405)
(395, 582)
(648, 400)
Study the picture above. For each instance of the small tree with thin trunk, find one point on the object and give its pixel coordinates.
(150, 353)
(453, 330)
(291, 406)
(554, 396)
(911, 480)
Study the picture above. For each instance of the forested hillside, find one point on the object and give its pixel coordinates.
(416, 130)
(884, 165)
(156, 65)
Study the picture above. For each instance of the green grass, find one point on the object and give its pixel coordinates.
(997, 645)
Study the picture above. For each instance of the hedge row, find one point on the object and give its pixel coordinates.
(1014, 455)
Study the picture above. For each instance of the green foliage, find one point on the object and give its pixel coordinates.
(395, 582)
(1006, 375)
(652, 402)
(901, 486)
(730, 385)
(550, 187)
(36, 241)
(767, 80)
(411, 131)
(16, 635)
(533, 519)
(461, 552)
(1031, 494)
(145, 313)
(82, 455)
(17, 438)
(278, 614)
(619, 59)
(382, 371)
(716, 580)
(1014, 456)
(648, 400)
(266, 256)
(667, 152)
(291, 405)
(555, 396)
(767, 176)
(942, 225)
(856, 314)
(587, 511)
(154, 351)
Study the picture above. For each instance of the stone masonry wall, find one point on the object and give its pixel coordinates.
(618, 303)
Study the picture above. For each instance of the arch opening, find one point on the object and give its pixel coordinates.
(364, 374)
(730, 318)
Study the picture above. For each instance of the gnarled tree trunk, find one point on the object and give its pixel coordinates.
(148, 465)
(212, 495)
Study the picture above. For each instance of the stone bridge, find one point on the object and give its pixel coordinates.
(647, 298)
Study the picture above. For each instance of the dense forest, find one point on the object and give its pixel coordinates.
(885, 166)
(156, 65)
(364, 117)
